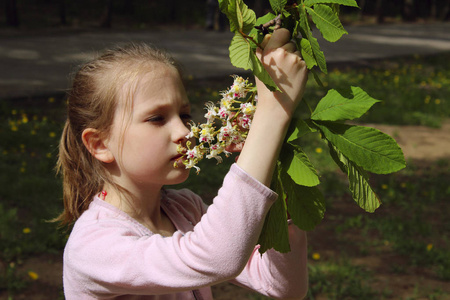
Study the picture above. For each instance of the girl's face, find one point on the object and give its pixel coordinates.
(145, 148)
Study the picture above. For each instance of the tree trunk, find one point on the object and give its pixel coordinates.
(379, 12)
(12, 16)
(62, 12)
(433, 10)
(409, 11)
(446, 12)
(362, 5)
(106, 20)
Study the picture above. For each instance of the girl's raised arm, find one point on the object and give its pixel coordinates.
(275, 109)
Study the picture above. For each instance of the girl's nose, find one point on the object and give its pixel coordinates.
(181, 131)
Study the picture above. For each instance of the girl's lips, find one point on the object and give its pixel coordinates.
(176, 157)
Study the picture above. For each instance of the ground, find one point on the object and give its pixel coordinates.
(418, 143)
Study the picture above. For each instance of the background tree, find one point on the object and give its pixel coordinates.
(12, 16)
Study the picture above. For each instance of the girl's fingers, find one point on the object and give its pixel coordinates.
(265, 40)
(290, 47)
(278, 39)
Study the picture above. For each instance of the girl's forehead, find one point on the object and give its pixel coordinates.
(157, 84)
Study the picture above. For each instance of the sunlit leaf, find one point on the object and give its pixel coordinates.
(306, 205)
(327, 22)
(278, 5)
(367, 147)
(240, 52)
(338, 107)
(358, 180)
(307, 53)
(341, 2)
(295, 162)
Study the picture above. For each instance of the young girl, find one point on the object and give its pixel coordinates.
(127, 112)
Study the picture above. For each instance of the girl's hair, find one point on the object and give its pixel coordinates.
(92, 102)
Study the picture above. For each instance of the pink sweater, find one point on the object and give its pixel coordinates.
(109, 255)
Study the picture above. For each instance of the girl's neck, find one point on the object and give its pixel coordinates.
(144, 207)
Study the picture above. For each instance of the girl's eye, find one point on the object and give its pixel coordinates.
(156, 119)
(186, 117)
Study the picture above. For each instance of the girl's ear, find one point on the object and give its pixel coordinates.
(96, 145)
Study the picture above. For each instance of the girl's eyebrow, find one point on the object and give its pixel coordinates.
(186, 106)
(163, 107)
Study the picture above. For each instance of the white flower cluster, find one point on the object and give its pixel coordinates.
(234, 114)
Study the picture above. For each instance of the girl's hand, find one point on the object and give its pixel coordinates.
(282, 61)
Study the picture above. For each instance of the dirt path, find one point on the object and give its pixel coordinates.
(419, 142)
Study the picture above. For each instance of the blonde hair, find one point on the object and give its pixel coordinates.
(92, 102)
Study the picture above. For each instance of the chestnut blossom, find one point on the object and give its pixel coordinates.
(226, 124)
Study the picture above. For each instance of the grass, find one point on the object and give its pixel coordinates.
(409, 232)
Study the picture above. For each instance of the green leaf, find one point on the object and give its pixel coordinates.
(317, 78)
(298, 166)
(243, 56)
(327, 22)
(278, 5)
(358, 179)
(240, 16)
(369, 148)
(297, 129)
(306, 205)
(337, 107)
(341, 2)
(318, 54)
(305, 30)
(257, 34)
(307, 53)
(274, 233)
(240, 52)
(260, 72)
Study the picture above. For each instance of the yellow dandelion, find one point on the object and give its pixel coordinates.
(33, 132)
(52, 134)
(429, 247)
(22, 170)
(14, 128)
(427, 99)
(5, 152)
(35, 118)
(319, 150)
(44, 119)
(403, 185)
(24, 118)
(33, 154)
(437, 101)
(26, 230)
(316, 256)
(51, 99)
(14, 112)
(384, 186)
(33, 275)
(49, 155)
(396, 79)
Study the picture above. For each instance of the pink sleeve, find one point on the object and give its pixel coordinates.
(279, 275)
(104, 257)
